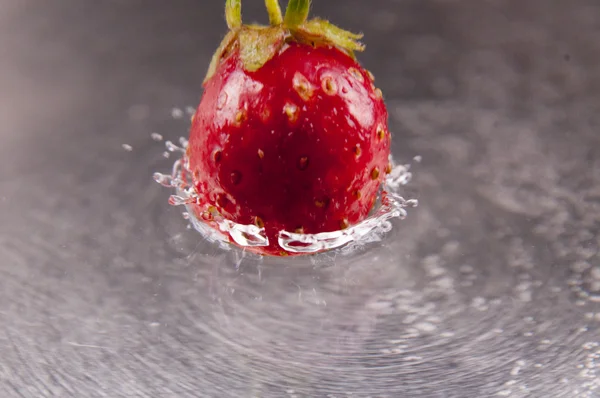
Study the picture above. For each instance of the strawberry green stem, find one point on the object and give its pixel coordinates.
(233, 13)
(256, 44)
(275, 16)
(296, 13)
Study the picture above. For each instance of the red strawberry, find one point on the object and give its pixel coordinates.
(290, 134)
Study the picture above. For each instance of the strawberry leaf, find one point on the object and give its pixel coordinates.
(228, 41)
(320, 31)
(258, 45)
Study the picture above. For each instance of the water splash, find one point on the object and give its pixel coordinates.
(156, 137)
(390, 204)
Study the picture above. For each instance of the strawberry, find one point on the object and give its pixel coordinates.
(291, 133)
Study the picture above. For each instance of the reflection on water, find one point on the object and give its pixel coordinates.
(420, 311)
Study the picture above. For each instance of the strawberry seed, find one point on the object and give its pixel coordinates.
(303, 163)
(375, 173)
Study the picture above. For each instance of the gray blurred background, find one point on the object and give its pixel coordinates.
(491, 287)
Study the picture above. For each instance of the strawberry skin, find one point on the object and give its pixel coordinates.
(301, 144)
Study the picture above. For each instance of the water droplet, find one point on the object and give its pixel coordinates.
(190, 110)
(400, 175)
(172, 147)
(183, 142)
(590, 345)
(385, 227)
(166, 155)
(163, 179)
(411, 203)
(426, 327)
(176, 113)
(176, 200)
(156, 137)
(418, 158)
(244, 235)
(127, 147)
(261, 154)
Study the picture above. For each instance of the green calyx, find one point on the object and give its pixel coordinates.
(257, 44)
